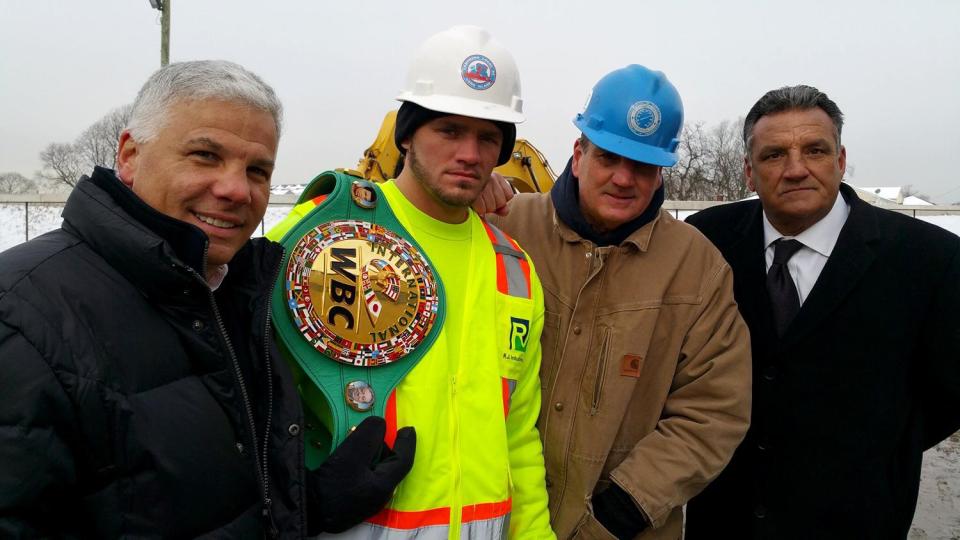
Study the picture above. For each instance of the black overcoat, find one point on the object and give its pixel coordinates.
(864, 380)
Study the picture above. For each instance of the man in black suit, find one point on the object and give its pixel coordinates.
(854, 315)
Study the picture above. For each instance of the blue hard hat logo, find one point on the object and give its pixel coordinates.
(478, 72)
(643, 118)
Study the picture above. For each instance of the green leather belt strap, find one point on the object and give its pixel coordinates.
(322, 373)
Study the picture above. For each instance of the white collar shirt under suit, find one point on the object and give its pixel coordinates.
(818, 242)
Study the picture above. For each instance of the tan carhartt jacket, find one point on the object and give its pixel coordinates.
(646, 369)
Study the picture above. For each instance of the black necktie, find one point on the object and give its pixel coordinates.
(783, 293)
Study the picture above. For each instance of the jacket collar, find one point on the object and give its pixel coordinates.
(573, 227)
(855, 251)
(639, 239)
(154, 251)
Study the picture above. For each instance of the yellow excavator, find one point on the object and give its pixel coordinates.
(527, 170)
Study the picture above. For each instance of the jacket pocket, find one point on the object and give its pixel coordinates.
(601, 370)
(591, 529)
(549, 344)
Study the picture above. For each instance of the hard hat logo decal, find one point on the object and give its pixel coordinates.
(643, 118)
(478, 72)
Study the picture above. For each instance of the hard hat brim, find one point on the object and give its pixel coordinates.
(643, 153)
(465, 107)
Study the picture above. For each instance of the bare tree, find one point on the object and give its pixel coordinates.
(13, 182)
(725, 153)
(98, 143)
(710, 165)
(62, 162)
(685, 180)
(96, 146)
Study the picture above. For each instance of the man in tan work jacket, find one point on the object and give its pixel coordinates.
(646, 360)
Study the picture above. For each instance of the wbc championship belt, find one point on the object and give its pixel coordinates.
(356, 306)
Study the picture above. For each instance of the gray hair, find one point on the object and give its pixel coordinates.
(788, 98)
(198, 80)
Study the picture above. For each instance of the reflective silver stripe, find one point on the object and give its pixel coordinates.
(507, 250)
(486, 529)
(369, 531)
(516, 281)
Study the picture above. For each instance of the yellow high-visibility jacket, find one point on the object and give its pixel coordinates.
(475, 395)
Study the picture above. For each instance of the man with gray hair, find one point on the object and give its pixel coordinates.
(142, 395)
(855, 333)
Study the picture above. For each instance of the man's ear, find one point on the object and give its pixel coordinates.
(748, 173)
(128, 153)
(577, 157)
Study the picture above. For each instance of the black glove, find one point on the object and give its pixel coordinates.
(615, 510)
(358, 478)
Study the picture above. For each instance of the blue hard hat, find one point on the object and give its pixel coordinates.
(636, 113)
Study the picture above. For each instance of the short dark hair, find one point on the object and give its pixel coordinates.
(788, 98)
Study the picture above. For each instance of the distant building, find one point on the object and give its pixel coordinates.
(287, 189)
(888, 195)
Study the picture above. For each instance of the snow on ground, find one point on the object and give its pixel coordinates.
(938, 506)
(950, 223)
(275, 213)
(45, 217)
(14, 228)
(12, 225)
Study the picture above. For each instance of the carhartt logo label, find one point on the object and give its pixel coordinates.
(519, 328)
(630, 365)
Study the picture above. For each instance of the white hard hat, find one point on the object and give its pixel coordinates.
(465, 71)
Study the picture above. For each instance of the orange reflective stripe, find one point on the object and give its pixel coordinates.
(506, 396)
(478, 512)
(502, 285)
(524, 263)
(513, 269)
(318, 199)
(390, 415)
(399, 519)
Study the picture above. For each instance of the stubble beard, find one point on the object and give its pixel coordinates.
(432, 185)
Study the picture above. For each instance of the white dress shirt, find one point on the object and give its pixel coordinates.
(818, 242)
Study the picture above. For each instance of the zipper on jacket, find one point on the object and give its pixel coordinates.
(267, 502)
(601, 370)
(262, 471)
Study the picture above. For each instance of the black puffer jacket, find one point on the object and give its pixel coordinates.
(121, 410)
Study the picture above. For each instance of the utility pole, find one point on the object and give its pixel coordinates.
(164, 7)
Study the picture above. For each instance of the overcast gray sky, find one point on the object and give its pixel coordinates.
(893, 67)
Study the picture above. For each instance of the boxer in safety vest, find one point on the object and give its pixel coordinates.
(398, 300)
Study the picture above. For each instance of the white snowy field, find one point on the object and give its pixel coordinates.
(15, 228)
(43, 217)
(938, 506)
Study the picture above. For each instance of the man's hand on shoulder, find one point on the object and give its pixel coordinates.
(494, 197)
(358, 478)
